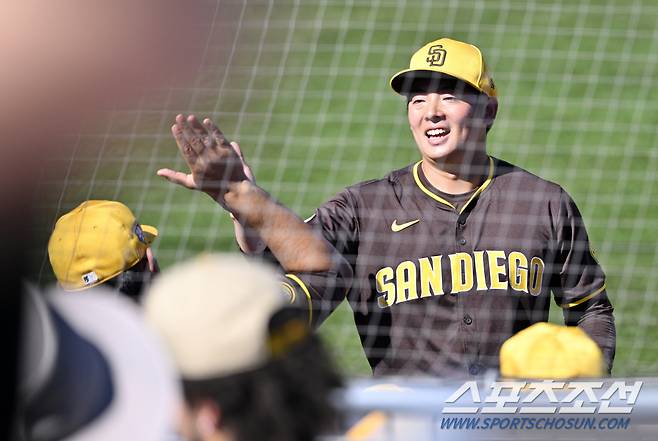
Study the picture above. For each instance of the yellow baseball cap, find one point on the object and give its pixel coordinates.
(96, 241)
(449, 57)
(549, 351)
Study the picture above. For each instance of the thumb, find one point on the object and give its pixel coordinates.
(176, 177)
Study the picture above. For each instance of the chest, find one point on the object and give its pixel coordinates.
(413, 249)
(393, 231)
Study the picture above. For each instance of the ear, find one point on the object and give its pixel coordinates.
(207, 419)
(490, 112)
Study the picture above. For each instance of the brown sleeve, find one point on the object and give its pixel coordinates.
(596, 318)
(338, 221)
(317, 293)
(580, 287)
(321, 292)
(578, 276)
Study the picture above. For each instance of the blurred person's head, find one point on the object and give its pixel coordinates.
(101, 242)
(250, 367)
(550, 351)
(91, 369)
(63, 60)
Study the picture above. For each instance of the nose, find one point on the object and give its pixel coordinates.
(434, 110)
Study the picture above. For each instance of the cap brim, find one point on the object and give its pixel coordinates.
(403, 81)
(150, 233)
(146, 391)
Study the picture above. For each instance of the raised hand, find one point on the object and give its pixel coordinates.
(214, 162)
(217, 167)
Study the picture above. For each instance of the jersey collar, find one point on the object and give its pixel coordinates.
(427, 189)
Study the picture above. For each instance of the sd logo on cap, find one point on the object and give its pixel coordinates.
(446, 57)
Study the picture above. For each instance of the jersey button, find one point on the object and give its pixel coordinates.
(461, 222)
(462, 241)
(468, 319)
(474, 369)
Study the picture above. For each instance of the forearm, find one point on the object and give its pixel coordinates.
(598, 321)
(294, 244)
(247, 238)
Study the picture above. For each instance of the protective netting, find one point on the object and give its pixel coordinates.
(304, 90)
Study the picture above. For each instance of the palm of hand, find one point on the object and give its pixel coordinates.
(214, 162)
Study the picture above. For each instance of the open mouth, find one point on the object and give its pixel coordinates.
(436, 134)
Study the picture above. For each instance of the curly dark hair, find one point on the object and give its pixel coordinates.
(286, 399)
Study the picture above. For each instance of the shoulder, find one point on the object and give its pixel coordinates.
(373, 192)
(531, 191)
(512, 178)
(396, 177)
(381, 185)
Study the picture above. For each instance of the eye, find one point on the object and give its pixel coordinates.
(449, 98)
(417, 100)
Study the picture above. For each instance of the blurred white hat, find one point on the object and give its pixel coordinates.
(213, 312)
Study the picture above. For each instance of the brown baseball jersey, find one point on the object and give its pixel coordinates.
(441, 281)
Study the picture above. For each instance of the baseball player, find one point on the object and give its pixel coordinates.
(457, 252)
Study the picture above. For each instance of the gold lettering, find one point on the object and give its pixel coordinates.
(461, 265)
(496, 269)
(400, 284)
(479, 271)
(536, 275)
(518, 271)
(405, 276)
(385, 286)
(431, 279)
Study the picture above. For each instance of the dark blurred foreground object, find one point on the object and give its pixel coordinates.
(92, 370)
(62, 63)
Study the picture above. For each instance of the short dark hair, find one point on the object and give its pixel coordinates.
(286, 399)
(431, 81)
(133, 281)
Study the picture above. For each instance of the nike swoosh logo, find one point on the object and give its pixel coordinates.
(395, 227)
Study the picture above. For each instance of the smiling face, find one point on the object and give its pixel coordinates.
(449, 120)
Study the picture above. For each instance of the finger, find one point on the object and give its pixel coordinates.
(215, 132)
(195, 124)
(194, 139)
(237, 149)
(245, 167)
(183, 145)
(181, 122)
(206, 137)
(176, 177)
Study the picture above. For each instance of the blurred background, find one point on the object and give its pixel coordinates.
(303, 87)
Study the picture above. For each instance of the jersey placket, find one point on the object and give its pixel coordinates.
(468, 317)
(461, 244)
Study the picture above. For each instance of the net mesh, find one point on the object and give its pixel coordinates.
(304, 91)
